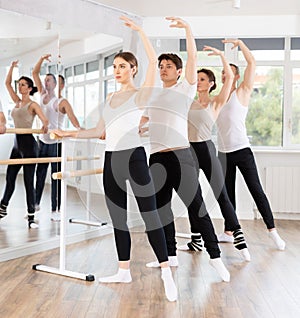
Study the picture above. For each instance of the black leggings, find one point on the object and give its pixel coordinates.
(244, 160)
(176, 170)
(25, 146)
(205, 156)
(131, 165)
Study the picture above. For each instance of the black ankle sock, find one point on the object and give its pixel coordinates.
(239, 239)
(3, 212)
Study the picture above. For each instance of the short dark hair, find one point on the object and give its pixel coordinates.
(62, 78)
(130, 58)
(29, 82)
(211, 77)
(171, 57)
(53, 76)
(237, 70)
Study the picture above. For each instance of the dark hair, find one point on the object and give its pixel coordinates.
(171, 57)
(53, 76)
(237, 70)
(62, 78)
(29, 82)
(211, 77)
(130, 58)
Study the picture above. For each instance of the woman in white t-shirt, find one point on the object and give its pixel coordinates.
(125, 159)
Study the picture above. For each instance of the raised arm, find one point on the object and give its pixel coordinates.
(191, 64)
(36, 73)
(8, 81)
(249, 74)
(144, 93)
(221, 99)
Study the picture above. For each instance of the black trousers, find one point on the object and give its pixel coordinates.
(205, 156)
(131, 165)
(25, 146)
(243, 159)
(48, 150)
(176, 170)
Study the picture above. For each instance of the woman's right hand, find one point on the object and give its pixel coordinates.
(130, 23)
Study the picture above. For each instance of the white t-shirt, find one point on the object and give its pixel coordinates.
(231, 123)
(1, 109)
(168, 115)
(122, 125)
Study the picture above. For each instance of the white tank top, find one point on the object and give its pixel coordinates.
(200, 124)
(122, 125)
(54, 116)
(168, 115)
(1, 109)
(232, 133)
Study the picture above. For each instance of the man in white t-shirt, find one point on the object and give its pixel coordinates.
(171, 162)
(2, 120)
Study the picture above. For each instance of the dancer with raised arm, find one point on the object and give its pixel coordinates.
(25, 146)
(202, 116)
(234, 147)
(171, 162)
(125, 159)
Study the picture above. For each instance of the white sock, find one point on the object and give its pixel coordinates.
(218, 265)
(280, 243)
(122, 276)
(173, 261)
(245, 254)
(169, 284)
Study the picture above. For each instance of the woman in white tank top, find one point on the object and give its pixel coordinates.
(125, 159)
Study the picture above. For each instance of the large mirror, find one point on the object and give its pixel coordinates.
(82, 52)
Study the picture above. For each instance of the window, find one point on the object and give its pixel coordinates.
(296, 106)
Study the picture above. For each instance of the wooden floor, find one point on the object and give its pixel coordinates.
(267, 287)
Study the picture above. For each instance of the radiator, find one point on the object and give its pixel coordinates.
(283, 188)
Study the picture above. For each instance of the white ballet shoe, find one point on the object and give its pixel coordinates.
(173, 262)
(122, 276)
(218, 265)
(169, 284)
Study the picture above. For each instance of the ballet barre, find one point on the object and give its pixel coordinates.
(23, 161)
(22, 131)
(75, 173)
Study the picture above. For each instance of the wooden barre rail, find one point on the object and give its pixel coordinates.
(76, 173)
(23, 161)
(23, 131)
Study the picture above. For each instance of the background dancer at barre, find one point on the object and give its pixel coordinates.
(125, 159)
(202, 116)
(25, 146)
(55, 110)
(234, 146)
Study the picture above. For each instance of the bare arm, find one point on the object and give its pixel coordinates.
(191, 64)
(96, 132)
(144, 120)
(144, 94)
(8, 80)
(36, 73)
(2, 123)
(65, 108)
(245, 88)
(34, 107)
(221, 99)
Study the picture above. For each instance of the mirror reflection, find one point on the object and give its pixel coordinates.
(84, 58)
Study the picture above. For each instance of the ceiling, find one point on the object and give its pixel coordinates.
(20, 34)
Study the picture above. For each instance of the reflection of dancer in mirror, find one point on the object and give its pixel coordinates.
(202, 116)
(2, 120)
(125, 159)
(55, 110)
(234, 147)
(171, 162)
(25, 146)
